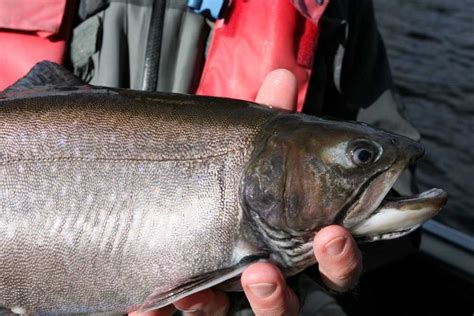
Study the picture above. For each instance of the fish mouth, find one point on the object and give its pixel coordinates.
(396, 217)
(377, 216)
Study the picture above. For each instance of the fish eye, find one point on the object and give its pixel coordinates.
(362, 156)
(363, 152)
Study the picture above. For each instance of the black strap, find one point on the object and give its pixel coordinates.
(153, 47)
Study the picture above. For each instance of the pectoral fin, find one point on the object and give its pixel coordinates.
(160, 299)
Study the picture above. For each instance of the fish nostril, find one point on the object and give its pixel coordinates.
(394, 141)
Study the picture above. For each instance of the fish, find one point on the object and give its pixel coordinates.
(121, 200)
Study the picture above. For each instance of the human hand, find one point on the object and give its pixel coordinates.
(264, 285)
(339, 265)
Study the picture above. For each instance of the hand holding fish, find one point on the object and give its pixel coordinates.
(265, 287)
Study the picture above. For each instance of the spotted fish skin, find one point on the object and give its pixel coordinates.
(99, 189)
(119, 200)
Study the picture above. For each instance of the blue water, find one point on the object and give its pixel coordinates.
(430, 44)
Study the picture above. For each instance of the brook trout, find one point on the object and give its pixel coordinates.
(118, 200)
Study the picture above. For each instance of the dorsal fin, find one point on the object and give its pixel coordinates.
(45, 75)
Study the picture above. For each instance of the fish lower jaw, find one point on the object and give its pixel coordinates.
(396, 218)
(386, 236)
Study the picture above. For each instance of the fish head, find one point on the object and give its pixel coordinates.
(310, 173)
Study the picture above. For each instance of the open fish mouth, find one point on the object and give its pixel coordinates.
(396, 217)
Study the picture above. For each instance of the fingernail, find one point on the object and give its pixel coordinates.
(190, 311)
(193, 309)
(262, 290)
(336, 246)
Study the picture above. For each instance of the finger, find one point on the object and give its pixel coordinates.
(339, 258)
(279, 89)
(207, 302)
(165, 311)
(266, 290)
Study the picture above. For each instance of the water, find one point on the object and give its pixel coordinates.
(430, 44)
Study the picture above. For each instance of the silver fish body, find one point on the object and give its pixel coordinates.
(114, 200)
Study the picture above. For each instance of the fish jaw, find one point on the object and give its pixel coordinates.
(396, 218)
(370, 198)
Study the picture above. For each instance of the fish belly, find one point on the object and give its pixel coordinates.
(86, 235)
(106, 198)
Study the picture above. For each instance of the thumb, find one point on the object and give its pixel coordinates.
(266, 290)
(279, 89)
(338, 256)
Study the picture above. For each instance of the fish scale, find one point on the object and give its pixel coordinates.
(99, 147)
(117, 200)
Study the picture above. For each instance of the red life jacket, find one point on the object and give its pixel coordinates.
(255, 38)
(31, 31)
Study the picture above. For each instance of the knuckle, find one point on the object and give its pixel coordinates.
(349, 272)
(272, 311)
(286, 305)
(347, 278)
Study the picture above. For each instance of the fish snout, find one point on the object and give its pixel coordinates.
(417, 151)
(413, 150)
